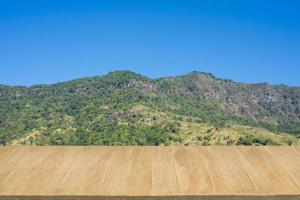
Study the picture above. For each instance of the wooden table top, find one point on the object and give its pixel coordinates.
(149, 171)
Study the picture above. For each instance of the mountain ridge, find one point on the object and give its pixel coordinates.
(153, 79)
(103, 106)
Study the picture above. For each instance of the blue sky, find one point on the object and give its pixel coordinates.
(46, 41)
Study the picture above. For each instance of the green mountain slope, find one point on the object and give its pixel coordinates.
(125, 108)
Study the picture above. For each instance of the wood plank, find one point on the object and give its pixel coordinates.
(149, 171)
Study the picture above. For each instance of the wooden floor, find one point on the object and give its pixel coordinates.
(150, 171)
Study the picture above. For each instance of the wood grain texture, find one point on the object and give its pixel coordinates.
(149, 171)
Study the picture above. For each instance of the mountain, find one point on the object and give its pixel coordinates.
(125, 108)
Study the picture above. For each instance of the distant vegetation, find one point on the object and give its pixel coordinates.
(124, 108)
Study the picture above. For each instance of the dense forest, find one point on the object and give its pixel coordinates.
(125, 108)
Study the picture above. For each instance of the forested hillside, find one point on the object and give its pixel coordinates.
(125, 108)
